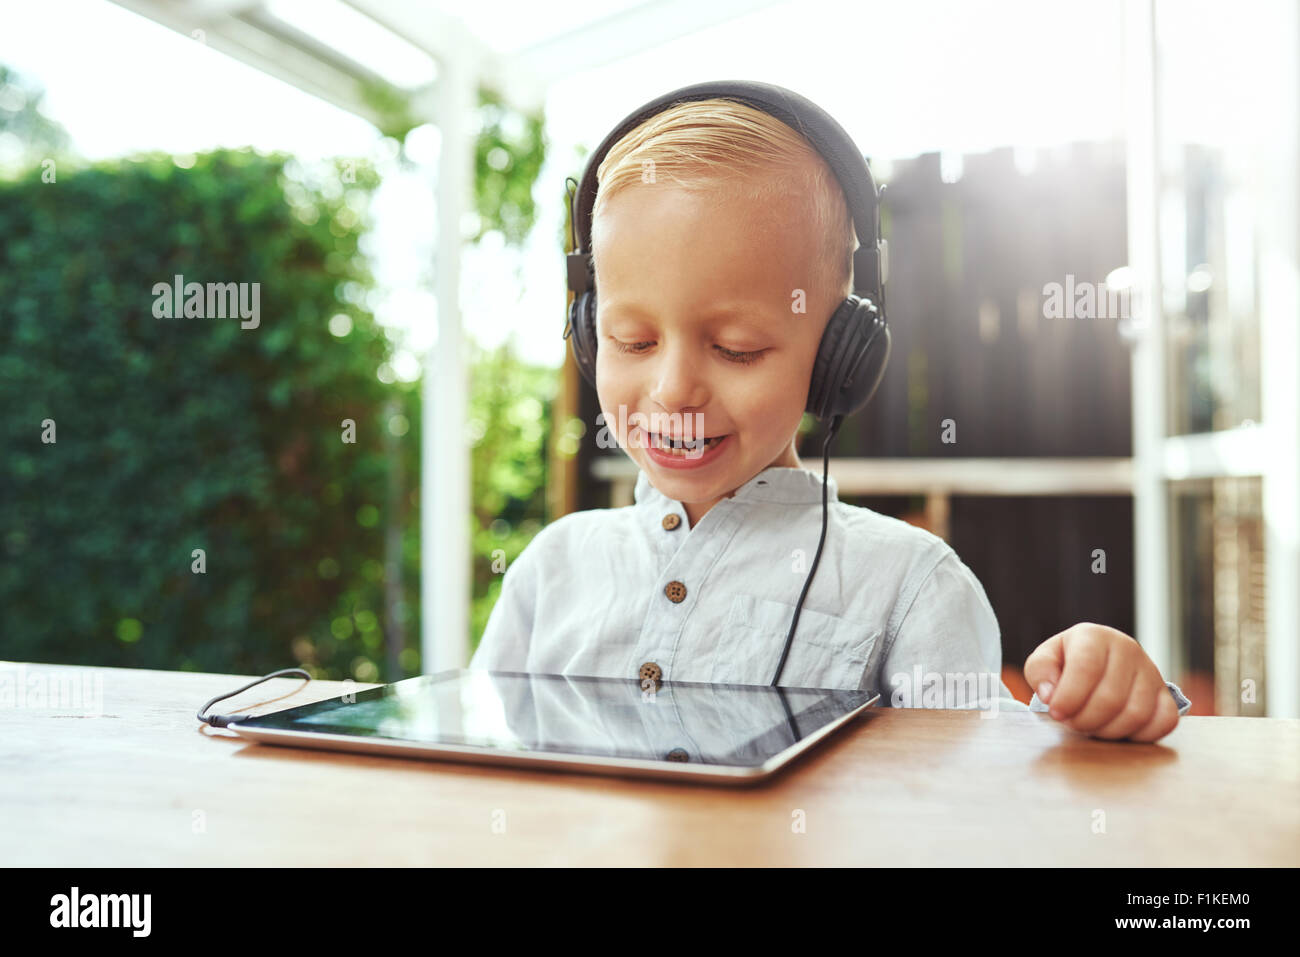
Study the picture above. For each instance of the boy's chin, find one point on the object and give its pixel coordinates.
(688, 485)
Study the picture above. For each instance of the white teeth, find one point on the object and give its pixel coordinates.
(682, 447)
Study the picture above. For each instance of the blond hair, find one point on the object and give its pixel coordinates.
(755, 156)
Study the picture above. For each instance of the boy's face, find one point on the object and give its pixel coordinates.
(670, 263)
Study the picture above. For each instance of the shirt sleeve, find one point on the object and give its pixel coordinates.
(947, 650)
(505, 641)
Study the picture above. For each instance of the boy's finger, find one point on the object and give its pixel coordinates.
(1162, 722)
(1110, 697)
(1085, 663)
(1043, 667)
(1137, 712)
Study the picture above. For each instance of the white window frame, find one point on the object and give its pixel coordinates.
(1270, 450)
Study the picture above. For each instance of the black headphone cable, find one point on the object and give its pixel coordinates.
(794, 622)
(221, 720)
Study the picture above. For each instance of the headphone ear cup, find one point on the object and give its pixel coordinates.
(850, 361)
(582, 319)
(870, 369)
(820, 393)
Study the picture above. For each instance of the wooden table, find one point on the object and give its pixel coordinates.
(143, 784)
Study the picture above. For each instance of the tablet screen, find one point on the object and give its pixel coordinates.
(737, 725)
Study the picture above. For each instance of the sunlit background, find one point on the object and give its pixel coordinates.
(419, 152)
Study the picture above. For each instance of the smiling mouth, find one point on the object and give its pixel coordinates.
(658, 441)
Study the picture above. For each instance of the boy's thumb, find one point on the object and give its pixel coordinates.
(1043, 667)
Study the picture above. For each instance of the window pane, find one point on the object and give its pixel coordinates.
(1211, 147)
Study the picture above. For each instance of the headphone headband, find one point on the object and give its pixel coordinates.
(817, 126)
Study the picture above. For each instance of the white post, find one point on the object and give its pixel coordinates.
(1152, 594)
(444, 460)
(1279, 205)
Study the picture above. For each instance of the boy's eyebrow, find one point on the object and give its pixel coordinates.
(737, 308)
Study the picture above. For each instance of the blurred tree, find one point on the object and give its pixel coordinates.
(510, 150)
(510, 403)
(510, 412)
(172, 435)
(27, 135)
(131, 441)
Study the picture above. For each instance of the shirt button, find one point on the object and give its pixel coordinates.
(678, 754)
(651, 672)
(675, 591)
(671, 521)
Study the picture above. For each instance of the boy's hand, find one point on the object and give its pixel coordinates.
(1100, 682)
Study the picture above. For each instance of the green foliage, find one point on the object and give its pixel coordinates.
(509, 150)
(392, 108)
(21, 116)
(182, 434)
(509, 153)
(510, 413)
(187, 433)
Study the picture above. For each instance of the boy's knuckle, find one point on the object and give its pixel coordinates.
(1138, 712)
(1108, 701)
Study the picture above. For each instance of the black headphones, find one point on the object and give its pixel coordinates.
(855, 346)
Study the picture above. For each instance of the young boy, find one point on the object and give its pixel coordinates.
(697, 266)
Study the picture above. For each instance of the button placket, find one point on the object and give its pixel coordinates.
(685, 559)
(664, 726)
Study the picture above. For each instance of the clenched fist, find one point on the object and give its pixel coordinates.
(1100, 682)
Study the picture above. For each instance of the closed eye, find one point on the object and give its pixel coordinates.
(626, 347)
(741, 357)
(744, 358)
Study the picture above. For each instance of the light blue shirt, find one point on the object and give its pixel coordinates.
(891, 609)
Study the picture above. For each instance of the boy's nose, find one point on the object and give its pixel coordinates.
(678, 382)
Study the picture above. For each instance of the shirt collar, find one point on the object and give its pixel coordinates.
(782, 486)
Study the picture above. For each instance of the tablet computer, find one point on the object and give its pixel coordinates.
(731, 734)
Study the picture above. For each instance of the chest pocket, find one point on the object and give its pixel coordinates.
(827, 651)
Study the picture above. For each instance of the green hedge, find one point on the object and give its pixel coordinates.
(182, 434)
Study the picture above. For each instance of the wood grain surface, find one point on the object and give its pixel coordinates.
(130, 778)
